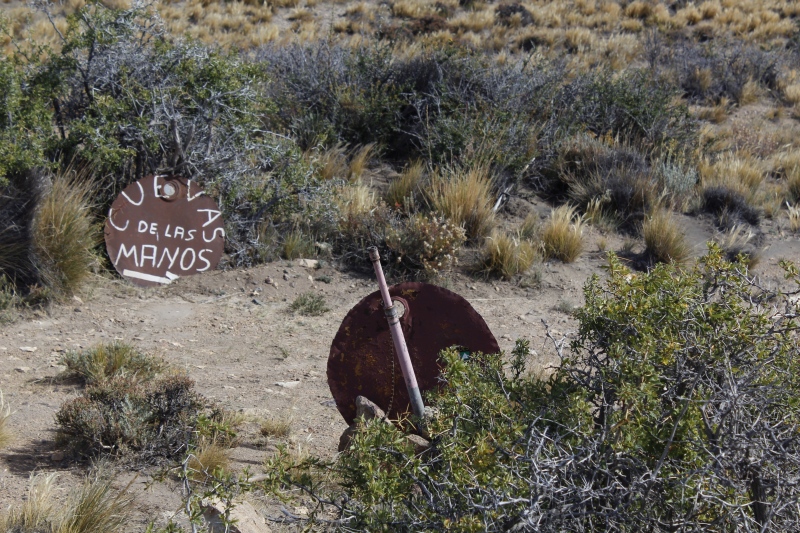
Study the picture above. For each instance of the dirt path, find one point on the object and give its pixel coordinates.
(233, 334)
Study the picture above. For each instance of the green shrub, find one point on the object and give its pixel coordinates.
(674, 408)
(108, 361)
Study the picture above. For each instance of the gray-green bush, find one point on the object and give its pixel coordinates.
(674, 408)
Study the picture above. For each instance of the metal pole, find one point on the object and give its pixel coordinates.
(400, 347)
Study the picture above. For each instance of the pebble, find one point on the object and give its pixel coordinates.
(28, 348)
(308, 263)
(285, 276)
(23, 369)
(287, 384)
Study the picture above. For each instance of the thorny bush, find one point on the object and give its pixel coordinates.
(675, 408)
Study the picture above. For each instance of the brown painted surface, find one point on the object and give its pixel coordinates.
(161, 228)
(362, 361)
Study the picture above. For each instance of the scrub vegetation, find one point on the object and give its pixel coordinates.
(323, 127)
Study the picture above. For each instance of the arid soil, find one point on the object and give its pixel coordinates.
(232, 332)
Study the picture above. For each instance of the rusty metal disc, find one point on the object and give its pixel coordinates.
(161, 228)
(362, 361)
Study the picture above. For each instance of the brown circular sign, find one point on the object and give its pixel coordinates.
(161, 228)
(362, 361)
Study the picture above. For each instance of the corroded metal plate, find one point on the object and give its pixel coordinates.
(362, 361)
(161, 228)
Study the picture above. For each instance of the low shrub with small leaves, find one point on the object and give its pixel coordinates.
(309, 304)
(150, 421)
(427, 244)
(673, 408)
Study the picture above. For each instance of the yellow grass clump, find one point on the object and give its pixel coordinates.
(403, 189)
(562, 234)
(94, 507)
(464, 196)
(64, 234)
(207, 460)
(6, 435)
(506, 256)
(663, 238)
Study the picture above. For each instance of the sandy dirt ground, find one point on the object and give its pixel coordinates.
(232, 332)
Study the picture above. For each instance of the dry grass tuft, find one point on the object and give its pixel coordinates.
(297, 244)
(739, 172)
(207, 460)
(332, 163)
(276, 427)
(562, 234)
(794, 217)
(94, 508)
(37, 512)
(736, 245)
(359, 162)
(464, 196)
(663, 239)
(403, 190)
(107, 361)
(355, 200)
(64, 235)
(6, 435)
(506, 256)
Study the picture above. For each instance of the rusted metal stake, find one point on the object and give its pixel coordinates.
(400, 347)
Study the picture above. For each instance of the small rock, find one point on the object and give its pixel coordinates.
(285, 276)
(57, 456)
(347, 436)
(420, 445)
(367, 409)
(308, 263)
(310, 278)
(496, 288)
(3, 349)
(257, 301)
(28, 348)
(244, 516)
(287, 384)
(77, 300)
(23, 369)
(269, 281)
